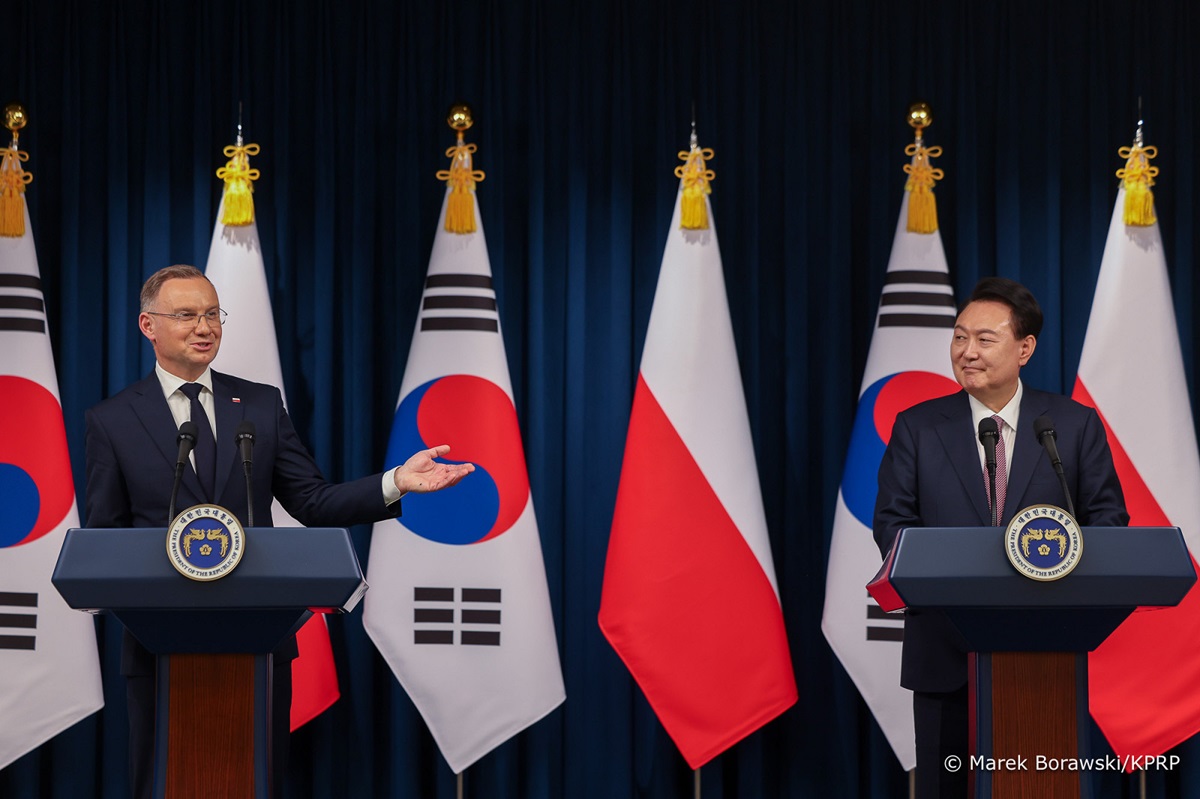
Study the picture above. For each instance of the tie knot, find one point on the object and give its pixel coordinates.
(192, 390)
(999, 423)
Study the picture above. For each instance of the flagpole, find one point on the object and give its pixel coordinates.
(460, 784)
(697, 783)
(912, 784)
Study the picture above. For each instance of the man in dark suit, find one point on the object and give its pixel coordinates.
(132, 450)
(933, 475)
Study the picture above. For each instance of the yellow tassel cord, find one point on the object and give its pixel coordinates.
(460, 207)
(1138, 176)
(13, 180)
(922, 205)
(239, 189)
(693, 213)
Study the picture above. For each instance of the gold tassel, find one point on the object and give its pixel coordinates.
(239, 189)
(1138, 177)
(922, 205)
(13, 180)
(696, 176)
(460, 206)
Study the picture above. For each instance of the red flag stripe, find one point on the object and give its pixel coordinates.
(1168, 635)
(685, 603)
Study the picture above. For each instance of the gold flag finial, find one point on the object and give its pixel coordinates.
(696, 176)
(922, 205)
(1138, 176)
(238, 199)
(13, 178)
(461, 177)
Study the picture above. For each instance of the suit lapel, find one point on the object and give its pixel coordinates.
(955, 434)
(229, 414)
(1026, 452)
(151, 409)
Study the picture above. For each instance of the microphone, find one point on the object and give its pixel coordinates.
(1043, 428)
(245, 443)
(186, 440)
(989, 436)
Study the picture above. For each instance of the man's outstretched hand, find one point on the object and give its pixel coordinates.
(421, 473)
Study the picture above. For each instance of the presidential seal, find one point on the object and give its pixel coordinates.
(1043, 542)
(205, 542)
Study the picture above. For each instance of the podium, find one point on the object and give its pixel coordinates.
(213, 640)
(1029, 639)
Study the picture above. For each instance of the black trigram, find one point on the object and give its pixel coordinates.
(883, 626)
(18, 620)
(477, 611)
(459, 302)
(916, 298)
(22, 307)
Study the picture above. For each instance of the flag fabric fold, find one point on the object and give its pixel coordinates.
(908, 362)
(690, 601)
(459, 605)
(48, 652)
(1143, 678)
(250, 350)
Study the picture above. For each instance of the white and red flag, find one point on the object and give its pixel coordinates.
(909, 362)
(250, 350)
(48, 659)
(1143, 679)
(690, 601)
(459, 605)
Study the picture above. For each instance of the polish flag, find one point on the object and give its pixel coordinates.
(690, 601)
(249, 350)
(1143, 678)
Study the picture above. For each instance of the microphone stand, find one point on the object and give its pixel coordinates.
(245, 442)
(185, 440)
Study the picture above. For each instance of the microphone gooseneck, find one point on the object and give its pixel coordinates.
(245, 443)
(186, 440)
(989, 435)
(1043, 427)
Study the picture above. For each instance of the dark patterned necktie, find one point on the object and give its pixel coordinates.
(205, 452)
(1001, 470)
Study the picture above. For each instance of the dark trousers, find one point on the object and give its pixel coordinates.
(140, 701)
(942, 724)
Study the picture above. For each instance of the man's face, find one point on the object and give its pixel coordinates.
(184, 349)
(986, 354)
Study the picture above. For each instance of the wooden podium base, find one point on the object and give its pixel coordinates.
(212, 727)
(1029, 719)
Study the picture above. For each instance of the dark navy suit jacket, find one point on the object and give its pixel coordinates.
(131, 453)
(931, 477)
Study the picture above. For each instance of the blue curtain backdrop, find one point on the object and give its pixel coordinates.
(581, 109)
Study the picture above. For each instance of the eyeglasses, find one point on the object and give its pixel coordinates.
(215, 317)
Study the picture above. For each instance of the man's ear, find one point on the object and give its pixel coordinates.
(1027, 346)
(146, 325)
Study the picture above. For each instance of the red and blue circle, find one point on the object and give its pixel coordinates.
(36, 488)
(877, 411)
(477, 419)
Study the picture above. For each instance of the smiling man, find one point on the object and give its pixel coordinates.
(933, 474)
(131, 452)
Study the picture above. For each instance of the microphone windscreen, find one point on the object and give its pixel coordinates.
(988, 428)
(187, 430)
(1043, 426)
(245, 430)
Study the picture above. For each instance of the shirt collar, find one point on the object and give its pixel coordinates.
(1010, 413)
(170, 383)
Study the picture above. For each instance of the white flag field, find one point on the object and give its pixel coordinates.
(47, 650)
(1143, 678)
(250, 350)
(908, 362)
(459, 605)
